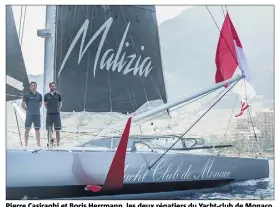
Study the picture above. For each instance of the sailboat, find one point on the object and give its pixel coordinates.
(106, 59)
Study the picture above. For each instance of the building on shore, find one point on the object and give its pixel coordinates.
(265, 123)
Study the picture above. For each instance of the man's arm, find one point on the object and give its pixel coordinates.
(45, 100)
(60, 102)
(23, 104)
(41, 97)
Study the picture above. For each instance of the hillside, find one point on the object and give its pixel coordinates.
(189, 41)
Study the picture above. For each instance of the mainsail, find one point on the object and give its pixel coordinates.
(107, 58)
(16, 77)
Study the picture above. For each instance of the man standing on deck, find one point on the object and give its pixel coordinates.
(31, 103)
(53, 104)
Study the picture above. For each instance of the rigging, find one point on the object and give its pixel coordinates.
(250, 117)
(184, 133)
(20, 36)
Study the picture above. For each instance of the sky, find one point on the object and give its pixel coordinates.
(33, 46)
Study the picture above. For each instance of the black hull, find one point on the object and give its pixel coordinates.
(57, 192)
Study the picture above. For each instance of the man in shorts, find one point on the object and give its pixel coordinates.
(32, 102)
(53, 104)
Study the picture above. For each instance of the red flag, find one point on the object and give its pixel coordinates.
(226, 57)
(230, 56)
(244, 106)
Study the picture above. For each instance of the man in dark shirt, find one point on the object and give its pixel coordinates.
(32, 102)
(53, 103)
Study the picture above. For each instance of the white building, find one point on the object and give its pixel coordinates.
(265, 123)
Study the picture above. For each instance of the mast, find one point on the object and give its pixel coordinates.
(49, 35)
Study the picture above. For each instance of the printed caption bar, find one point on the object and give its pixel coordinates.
(138, 204)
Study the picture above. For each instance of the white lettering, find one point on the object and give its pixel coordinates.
(109, 60)
(207, 172)
(169, 171)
